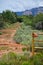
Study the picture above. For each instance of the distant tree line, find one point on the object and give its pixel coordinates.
(35, 21)
(7, 17)
(11, 17)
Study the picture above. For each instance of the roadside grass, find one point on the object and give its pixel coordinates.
(15, 59)
(11, 26)
(4, 48)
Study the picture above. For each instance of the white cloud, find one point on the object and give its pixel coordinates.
(19, 5)
(41, 4)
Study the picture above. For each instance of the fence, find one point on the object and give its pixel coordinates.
(35, 35)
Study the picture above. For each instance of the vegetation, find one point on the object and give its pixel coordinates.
(34, 21)
(7, 18)
(28, 24)
(14, 59)
(24, 35)
(4, 47)
(24, 49)
(27, 19)
(1, 33)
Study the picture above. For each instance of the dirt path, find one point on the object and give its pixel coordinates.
(6, 39)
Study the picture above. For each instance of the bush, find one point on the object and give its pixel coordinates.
(27, 20)
(14, 59)
(1, 24)
(24, 49)
(23, 34)
(1, 33)
(25, 63)
(9, 16)
(38, 59)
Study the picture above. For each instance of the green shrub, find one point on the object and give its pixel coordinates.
(9, 16)
(23, 34)
(1, 24)
(15, 59)
(38, 59)
(25, 63)
(24, 49)
(27, 19)
(1, 33)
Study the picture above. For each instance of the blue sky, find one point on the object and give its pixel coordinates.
(19, 5)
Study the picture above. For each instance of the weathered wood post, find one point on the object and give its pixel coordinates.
(32, 44)
(33, 36)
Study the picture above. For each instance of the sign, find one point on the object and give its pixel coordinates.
(34, 35)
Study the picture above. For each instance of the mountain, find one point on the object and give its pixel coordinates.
(33, 11)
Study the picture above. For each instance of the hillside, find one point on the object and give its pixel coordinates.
(33, 11)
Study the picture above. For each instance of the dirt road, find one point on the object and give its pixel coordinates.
(6, 39)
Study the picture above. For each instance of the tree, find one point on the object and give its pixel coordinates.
(9, 16)
(27, 19)
(1, 22)
(38, 20)
(38, 17)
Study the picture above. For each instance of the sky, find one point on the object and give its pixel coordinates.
(19, 5)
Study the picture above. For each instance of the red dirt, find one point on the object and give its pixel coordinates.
(6, 39)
